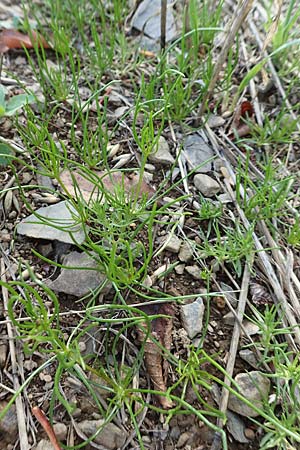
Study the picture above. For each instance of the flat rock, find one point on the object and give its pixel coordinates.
(250, 357)
(186, 251)
(111, 437)
(81, 281)
(229, 319)
(250, 327)
(206, 185)
(147, 19)
(236, 427)
(162, 155)
(194, 271)
(255, 388)
(215, 121)
(197, 153)
(192, 317)
(62, 214)
(9, 423)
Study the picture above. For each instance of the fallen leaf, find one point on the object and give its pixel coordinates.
(156, 365)
(11, 39)
(77, 184)
(239, 127)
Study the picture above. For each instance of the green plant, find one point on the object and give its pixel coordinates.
(13, 104)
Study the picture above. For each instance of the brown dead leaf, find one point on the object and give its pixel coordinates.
(77, 184)
(239, 127)
(156, 365)
(11, 39)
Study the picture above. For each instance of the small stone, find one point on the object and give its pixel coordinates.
(179, 269)
(111, 437)
(236, 427)
(186, 251)
(230, 296)
(255, 388)
(224, 198)
(29, 365)
(62, 214)
(250, 327)
(198, 153)
(194, 271)
(9, 423)
(215, 121)
(192, 317)
(161, 154)
(206, 185)
(173, 244)
(229, 319)
(250, 357)
(79, 282)
(249, 433)
(44, 444)
(61, 430)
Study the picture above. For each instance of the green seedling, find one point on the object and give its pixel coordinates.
(11, 106)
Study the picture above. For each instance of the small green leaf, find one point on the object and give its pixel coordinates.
(5, 154)
(17, 102)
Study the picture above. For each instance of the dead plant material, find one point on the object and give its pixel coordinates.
(239, 127)
(41, 417)
(156, 365)
(260, 294)
(77, 184)
(12, 39)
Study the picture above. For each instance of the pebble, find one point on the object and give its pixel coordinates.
(161, 154)
(250, 357)
(192, 317)
(250, 327)
(186, 251)
(215, 121)
(173, 244)
(44, 444)
(194, 271)
(61, 430)
(254, 387)
(111, 437)
(206, 185)
(229, 319)
(236, 427)
(183, 438)
(197, 152)
(249, 433)
(179, 269)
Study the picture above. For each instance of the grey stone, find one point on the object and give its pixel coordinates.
(62, 214)
(9, 423)
(44, 444)
(147, 19)
(250, 357)
(173, 244)
(224, 198)
(229, 319)
(236, 427)
(60, 430)
(81, 281)
(230, 296)
(255, 388)
(206, 185)
(194, 271)
(215, 121)
(197, 153)
(111, 437)
(161, 154)
(250, 327)
(186, 251)
(192, 317)
(179, 269)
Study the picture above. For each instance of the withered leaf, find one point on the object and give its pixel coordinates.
(11, 39)
(77, 184)
(156, 365)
